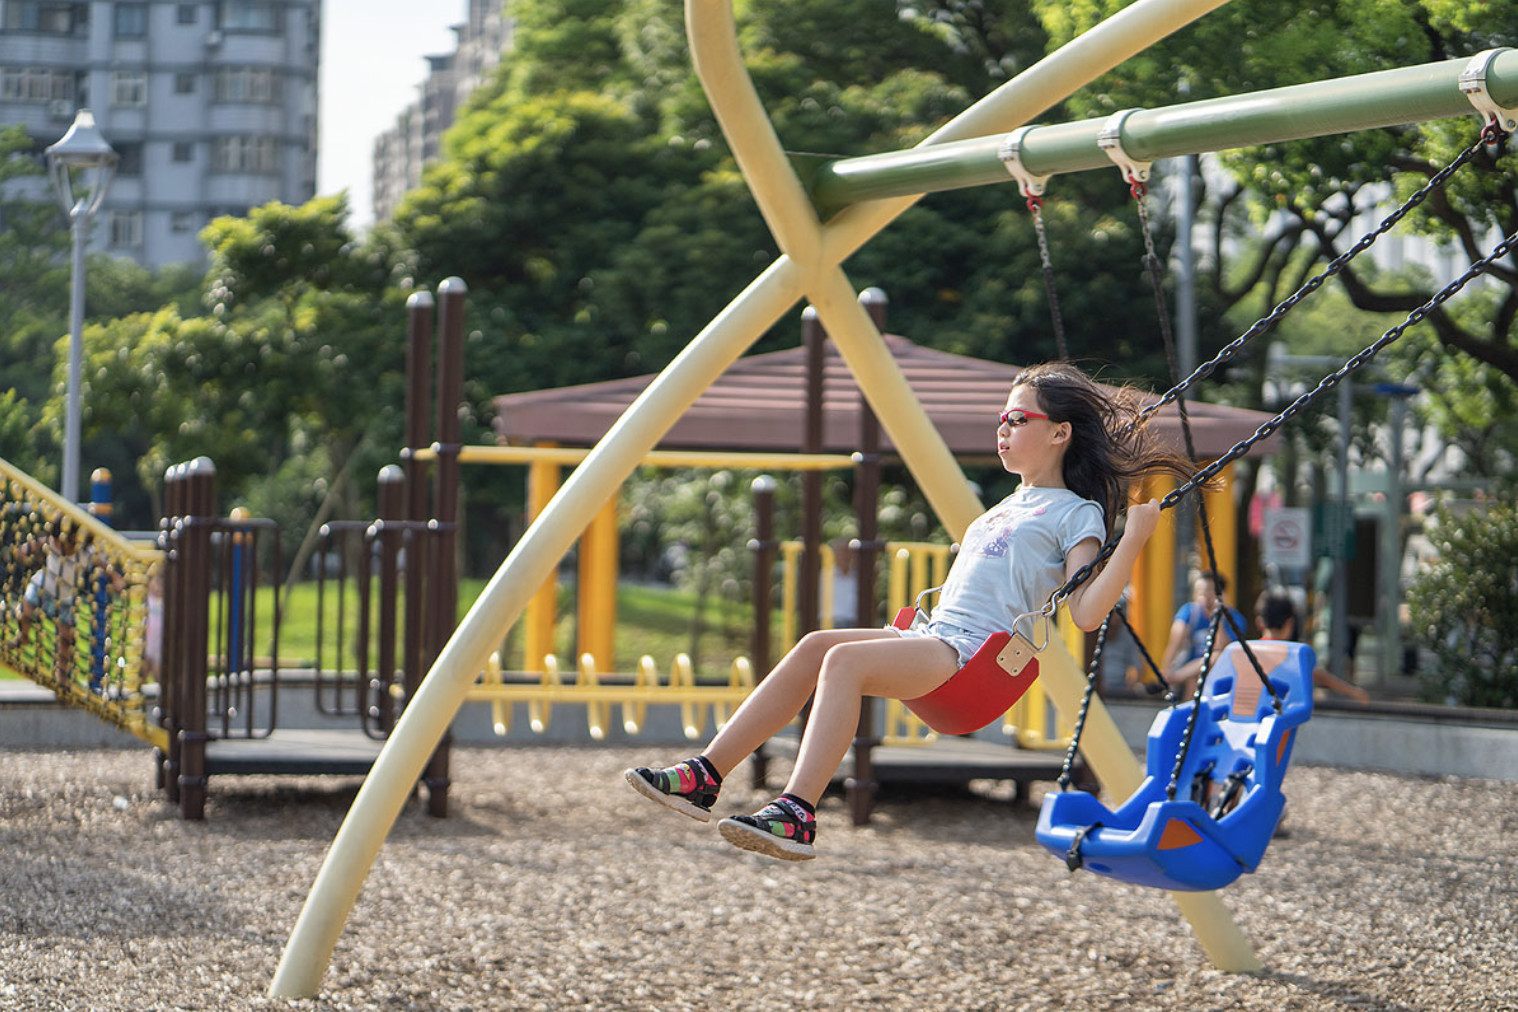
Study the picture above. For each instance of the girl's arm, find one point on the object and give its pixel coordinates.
(1091, 601)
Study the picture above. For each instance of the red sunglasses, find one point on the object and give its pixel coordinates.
(1017, 416)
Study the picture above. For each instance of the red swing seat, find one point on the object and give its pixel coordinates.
(985, 688)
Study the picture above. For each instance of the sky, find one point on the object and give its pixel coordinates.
(371, 64)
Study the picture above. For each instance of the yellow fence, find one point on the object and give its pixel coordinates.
(914, 567)
(74, 605)
(541, 690)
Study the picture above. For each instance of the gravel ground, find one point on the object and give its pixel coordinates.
(1386, 893)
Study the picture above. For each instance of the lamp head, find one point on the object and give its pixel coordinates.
(81, 158)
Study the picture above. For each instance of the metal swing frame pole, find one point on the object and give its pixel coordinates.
(1344, 105)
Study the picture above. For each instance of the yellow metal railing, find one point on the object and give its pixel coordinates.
(916, 567)
(74, 605)
(633, 693)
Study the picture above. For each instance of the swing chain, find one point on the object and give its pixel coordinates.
(1036, 209)
(1488, 135)
(1152, 264)
(1032, 188)
(1154, 667)
(1265, 430)
(1085, 708)
(1352, 365)
(1196, 706)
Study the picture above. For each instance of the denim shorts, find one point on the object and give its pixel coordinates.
(964, 642)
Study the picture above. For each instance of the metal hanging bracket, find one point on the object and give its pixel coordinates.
(1473, 87)
(1011, 156)
(1110, 139)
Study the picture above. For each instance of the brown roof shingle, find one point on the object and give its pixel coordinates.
(759, 405)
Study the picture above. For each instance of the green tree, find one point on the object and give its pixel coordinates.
(1464, 607)
(1303, 201)
(299, 357)
(33, 299)
(696, 523)
(588, 198)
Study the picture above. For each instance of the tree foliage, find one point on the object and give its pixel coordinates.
(1311, 196)
(1464, 607)
(588, 198)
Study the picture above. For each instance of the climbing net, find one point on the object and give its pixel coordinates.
(74, 604)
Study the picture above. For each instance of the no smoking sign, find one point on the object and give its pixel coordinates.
(1286, 539)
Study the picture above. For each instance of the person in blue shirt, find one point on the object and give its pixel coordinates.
(1182, 661)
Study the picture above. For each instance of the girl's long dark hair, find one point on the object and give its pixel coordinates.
(1108, 451)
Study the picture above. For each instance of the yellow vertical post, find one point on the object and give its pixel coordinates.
(1075, 639)
(1061, 724)
(542, 610)
(1223, 521)
(1154, 579)
(790, 556)
(598, 587)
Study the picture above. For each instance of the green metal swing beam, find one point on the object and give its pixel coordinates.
(1345, 105)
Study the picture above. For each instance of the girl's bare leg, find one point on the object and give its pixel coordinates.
(884, 666)
(781, 695)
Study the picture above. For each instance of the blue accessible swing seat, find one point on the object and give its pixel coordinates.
(1219, 820)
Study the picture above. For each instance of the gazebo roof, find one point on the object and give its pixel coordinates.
(759, 404)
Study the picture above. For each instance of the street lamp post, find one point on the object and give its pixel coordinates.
(81, 160)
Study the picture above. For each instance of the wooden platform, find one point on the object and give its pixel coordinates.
(295, 752)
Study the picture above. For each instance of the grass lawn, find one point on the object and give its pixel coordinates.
(651, 620)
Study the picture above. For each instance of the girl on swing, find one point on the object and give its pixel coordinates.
(1071, 443)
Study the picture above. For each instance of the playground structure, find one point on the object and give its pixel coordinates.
(808, 267)
(86, 636)
(212, 692)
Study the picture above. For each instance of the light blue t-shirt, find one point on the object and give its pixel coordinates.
(1012, 558)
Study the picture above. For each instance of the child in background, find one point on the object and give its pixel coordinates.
(1276, 614)
(51, 591)
(1182, 661)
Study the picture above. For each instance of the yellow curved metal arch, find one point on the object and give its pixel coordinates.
(809, 266)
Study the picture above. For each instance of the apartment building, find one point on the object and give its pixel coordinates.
(211, 106)
(402, 152)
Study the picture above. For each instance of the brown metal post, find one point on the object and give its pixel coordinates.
(391, 494)
(196, 632)
(862, 787)
(418, 424)
(170, 678)
(763, 546)
(443, 598)
(814, 339)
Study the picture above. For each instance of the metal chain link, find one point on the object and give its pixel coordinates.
(1196, 706)
(1352, 365)
(1152, 267)
(1085, 707)
(1176, 394)
(1490, 135)
(1242, 447)
(1154, 667)
(1036, 209)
